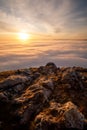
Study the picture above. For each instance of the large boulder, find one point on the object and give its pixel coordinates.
(34, 97)
(15, 83)
(13, 80)
(73, 78)
(51, 68)
(58, 116)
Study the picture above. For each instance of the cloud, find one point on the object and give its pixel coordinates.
(35, 54)
(7, 27)
(46, 16)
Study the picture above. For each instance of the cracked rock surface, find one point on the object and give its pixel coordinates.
(44, 98)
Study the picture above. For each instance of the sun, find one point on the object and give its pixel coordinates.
(23, 36)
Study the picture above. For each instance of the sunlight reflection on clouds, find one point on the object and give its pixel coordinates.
(13, 56)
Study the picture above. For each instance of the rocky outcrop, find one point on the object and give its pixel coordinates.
(73, 78)
(59, 116)
(43, 98)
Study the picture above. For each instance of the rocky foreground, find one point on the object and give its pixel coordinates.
(44, 98)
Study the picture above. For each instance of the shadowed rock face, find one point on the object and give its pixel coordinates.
(44, 98)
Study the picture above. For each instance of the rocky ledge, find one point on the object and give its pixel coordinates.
(44, 98)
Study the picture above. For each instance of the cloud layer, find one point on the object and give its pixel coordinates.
(14, 56)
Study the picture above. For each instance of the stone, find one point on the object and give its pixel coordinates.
(51, 68)
(73, 117)
(43, 98)
(3, 97)
(60, 116)
(13, 81)
(48, 84)
(36, 75)
(51, 64)
(73, 78)
(19, 88)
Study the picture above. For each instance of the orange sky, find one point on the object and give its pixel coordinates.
(54, 19)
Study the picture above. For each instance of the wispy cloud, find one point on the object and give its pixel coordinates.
(60, 17)
(7, 27)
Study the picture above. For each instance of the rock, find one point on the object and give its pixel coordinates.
(26, 72)
(34, 98)
(73, 78)
(48, 84)
(26, 116)
(59, 116)
(36, 75)
(73, 117)
(13, 81)
(19, 88)
(51, 68)
(35, 93)
(42, 70)
(3, 97)
(44, 98)
(51, 64)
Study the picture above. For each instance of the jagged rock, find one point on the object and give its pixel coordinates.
(73, 118)
(42, 70)
(35, 93)
(73, 78)
(34, 98)
(59, 116)
(48, 84)
(38, 98)
(26, 72)
(28, 113)
(51, 68)
(13, 81)
(51, 64)
(36, 75)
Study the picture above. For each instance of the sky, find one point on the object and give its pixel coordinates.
(55, 19)
(46, 22)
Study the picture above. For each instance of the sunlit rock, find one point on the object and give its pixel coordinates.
(44, 98)
(60, 116)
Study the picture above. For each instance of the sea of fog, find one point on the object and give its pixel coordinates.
(24, 55)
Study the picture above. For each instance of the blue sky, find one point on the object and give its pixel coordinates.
(59, 18)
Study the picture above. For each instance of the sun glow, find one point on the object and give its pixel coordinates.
(23, 36)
